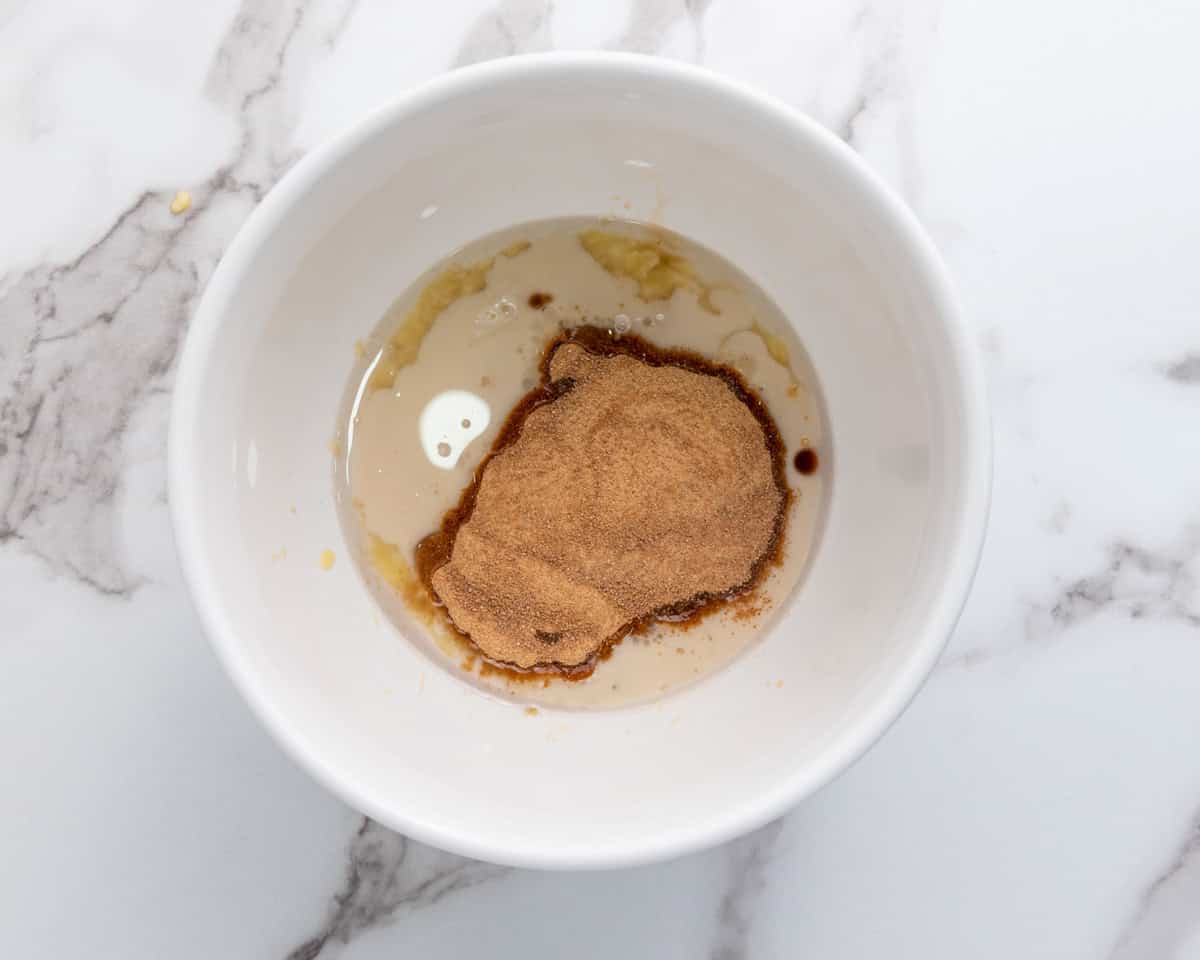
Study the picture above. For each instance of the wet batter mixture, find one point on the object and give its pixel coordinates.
(627, 361)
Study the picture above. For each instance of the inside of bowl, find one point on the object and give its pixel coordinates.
(369, 712)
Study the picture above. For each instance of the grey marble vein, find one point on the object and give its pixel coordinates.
(523, 26)
(83, 343)
(896, 40)
(748, 858)
(872, 83)
(1185, 370)
(511, 27)
(1137, 581)
(1060, 518)
(344, 17)
(847, 127)
(1167, 915)
(388, 874)
(1142, 582)
(649, 20)
(696, 10)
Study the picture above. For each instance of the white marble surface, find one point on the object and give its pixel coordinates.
(1042, 796)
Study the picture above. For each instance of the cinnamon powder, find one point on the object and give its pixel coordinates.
(633, 484)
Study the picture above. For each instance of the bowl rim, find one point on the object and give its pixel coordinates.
(753, 811)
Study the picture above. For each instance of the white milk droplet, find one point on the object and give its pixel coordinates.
(452, 413)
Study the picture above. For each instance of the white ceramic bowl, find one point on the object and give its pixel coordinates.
(356, 221)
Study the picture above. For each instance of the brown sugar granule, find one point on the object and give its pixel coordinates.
(539, 300)
(634, 484)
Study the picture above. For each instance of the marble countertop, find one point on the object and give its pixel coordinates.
(1041, 798)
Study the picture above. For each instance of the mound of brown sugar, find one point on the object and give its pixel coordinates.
(634, 484)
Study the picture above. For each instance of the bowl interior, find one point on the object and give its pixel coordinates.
(313, 271)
